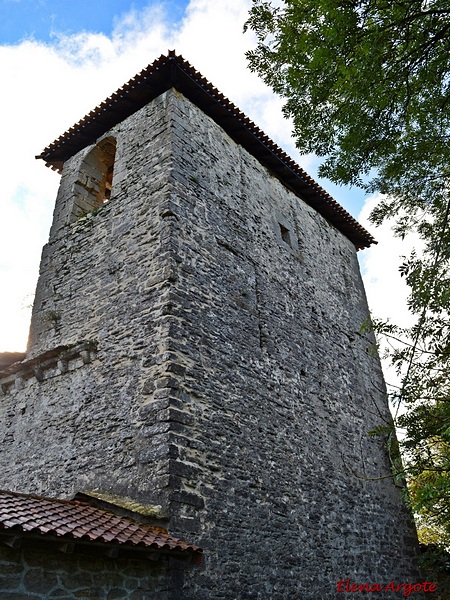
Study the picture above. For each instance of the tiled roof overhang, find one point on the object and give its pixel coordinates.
(173, 71)
(71, 521)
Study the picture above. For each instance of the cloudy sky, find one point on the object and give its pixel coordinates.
(59, 59)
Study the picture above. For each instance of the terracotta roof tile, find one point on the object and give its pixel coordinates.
(173, 71)
(75, 520)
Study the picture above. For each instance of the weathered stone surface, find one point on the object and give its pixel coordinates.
(66, 577)
(230, 384)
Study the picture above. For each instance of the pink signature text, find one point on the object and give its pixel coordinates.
(346, 585)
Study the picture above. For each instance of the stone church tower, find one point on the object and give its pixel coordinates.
(196, 347)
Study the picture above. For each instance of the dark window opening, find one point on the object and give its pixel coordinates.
(285, 235)
(108, 185)
(94, 184)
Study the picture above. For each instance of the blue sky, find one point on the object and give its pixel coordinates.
(42, 19)
(48, 20)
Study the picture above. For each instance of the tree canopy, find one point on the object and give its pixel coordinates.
(367, 85)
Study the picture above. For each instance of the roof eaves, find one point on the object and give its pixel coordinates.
(173, 71)
(78, 522)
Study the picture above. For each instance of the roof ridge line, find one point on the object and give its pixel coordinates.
(160, 76)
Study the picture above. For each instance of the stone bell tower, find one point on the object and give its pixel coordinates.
(195, 346)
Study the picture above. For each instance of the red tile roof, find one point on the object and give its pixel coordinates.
(71, 520)
(173, 71)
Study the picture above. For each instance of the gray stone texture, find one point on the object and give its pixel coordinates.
(39, 572)
(231, 386)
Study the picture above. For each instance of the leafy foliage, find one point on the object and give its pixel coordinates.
(367, 84)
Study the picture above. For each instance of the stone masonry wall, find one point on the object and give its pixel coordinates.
(103, 280)
(37, 571)
(268, 304)
(230, 387)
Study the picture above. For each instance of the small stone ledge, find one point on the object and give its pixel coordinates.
(126, 506)
(53, 362)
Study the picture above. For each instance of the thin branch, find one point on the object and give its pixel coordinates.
(425, 308)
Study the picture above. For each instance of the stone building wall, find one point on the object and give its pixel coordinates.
(104, 281)
(284, 385)
(37, 572)
(230, 385)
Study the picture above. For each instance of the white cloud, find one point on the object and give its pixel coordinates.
(385, 288)
(52, 86)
